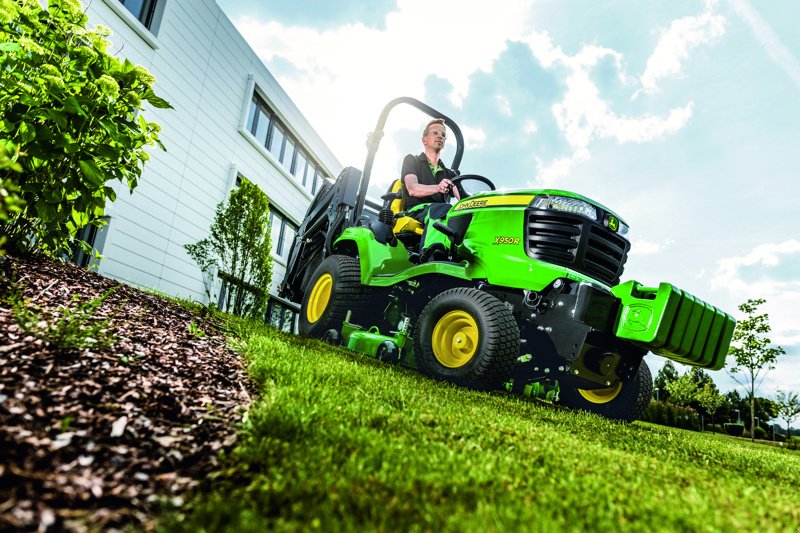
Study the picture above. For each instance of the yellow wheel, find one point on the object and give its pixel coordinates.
(625, 400)
(468, 337)
(320, 296)
(601, 395)
(333, 290)
(455, 339)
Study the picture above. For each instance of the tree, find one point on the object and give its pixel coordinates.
(238, 247)
(70, 122)
(710, 399)
(752, 352)
(667, 374)
(682, 391)
(788, 407)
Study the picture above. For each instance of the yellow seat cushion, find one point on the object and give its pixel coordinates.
(403, 224)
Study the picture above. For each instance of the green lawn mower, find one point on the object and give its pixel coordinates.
(527, 299)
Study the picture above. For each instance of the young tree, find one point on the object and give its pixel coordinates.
(788, 407)
(69, 120)
(752, 352)
(667, 374)
(682, 391)
(239, 248)
(710, 399)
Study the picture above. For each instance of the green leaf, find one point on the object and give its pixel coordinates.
(9, 47)
(72, 105)
(92, 172)
(155, 101)
(110, 193)
(26, 133)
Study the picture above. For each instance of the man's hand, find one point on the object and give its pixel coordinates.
(445, 185)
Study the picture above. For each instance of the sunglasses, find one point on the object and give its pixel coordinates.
(442, 134)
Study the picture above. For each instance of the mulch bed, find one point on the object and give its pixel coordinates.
(101, 438)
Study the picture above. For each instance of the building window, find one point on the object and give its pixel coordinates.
(273, 135)
(144, 10)
(93, 236)
(282, 233)
(280, 316)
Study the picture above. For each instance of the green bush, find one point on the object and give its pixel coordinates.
(69, 122)
(734, 429)
(779, 437)
(793, 443)
(238, 248)
(667, 414)
(760, 433)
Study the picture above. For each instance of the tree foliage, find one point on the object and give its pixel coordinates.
(787, 406)
(69, 120)
(683, 390)
(667, 374)
(238, 247)
(709, 398)
(752, 352)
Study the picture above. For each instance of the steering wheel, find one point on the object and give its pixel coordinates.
(461, 191)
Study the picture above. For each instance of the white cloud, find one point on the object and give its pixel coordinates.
(676, 43)
(357, 70)
(474, 138)
(583, 116)
(782, 296)
(777, 51)
(645, 247)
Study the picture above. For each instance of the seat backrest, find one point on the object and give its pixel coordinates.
(402, 224)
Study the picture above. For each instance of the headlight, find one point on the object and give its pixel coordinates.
(566, 204)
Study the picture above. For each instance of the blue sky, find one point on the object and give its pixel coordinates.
(681, 116)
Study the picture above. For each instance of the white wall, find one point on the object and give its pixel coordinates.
(206, 70)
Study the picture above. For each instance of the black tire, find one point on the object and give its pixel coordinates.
(484, 328)
(625, 401)
(334, 288)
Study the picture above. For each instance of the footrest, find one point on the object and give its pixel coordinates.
(674, 324)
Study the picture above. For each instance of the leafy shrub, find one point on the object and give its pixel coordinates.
(238, 249)
(779, 437)
(793, 443)
(667, 414)
(69, 122)
(760, 433)
(734, 429)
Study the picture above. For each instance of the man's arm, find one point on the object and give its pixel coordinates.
(419, 190)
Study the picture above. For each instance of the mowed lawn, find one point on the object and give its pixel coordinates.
(338, 441)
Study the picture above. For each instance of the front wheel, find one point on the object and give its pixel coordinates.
(468, 337)
(624, 401)
(333, 289)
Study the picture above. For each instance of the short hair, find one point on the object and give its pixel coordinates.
(431, 123)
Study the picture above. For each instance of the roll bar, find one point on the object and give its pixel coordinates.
(374, 140)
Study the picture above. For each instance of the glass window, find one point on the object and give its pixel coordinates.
(300, 167)
(276, 227)
(290, 230)
(288, 154)
(316, 182)
(142, 10)
(251, 115)
(276, 141)
(262, 127)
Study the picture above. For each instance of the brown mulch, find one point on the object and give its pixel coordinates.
(101, 438)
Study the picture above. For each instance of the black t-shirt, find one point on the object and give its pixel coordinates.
(418, 165)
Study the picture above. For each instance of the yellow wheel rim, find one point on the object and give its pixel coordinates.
(319, 298)
(455, 339)
(601, 395)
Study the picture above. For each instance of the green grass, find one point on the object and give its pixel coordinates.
(341, 442)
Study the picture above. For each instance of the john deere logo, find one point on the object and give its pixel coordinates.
(613, 223)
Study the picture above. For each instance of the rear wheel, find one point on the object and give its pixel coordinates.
(334, 288)
(467, 337)
(624, 401)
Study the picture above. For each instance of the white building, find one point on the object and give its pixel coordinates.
(230, 119)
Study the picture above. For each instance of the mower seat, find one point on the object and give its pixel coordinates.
(402, 224)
